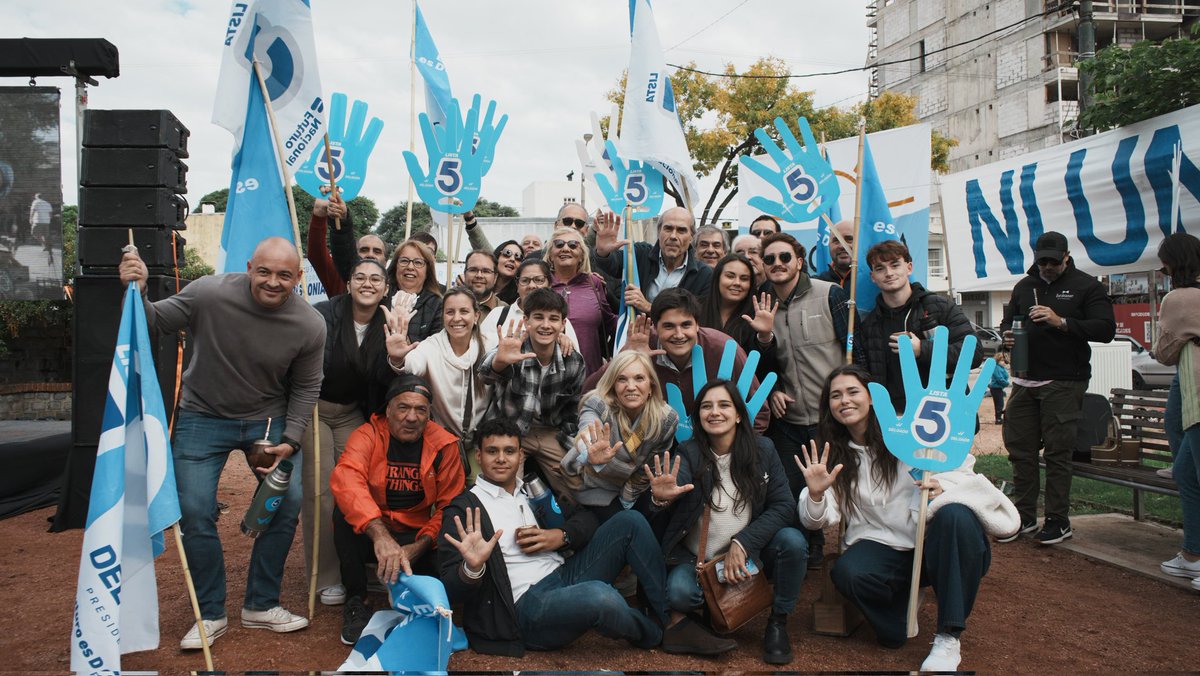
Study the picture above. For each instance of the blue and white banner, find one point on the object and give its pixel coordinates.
(901, 161)
(433, 71)
(650, 127)
(417, 636)
(1112, 195)
(133, 500)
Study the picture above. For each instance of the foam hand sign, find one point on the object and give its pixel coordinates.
(805, 180)
(638, 185)
(460, 153)
(724, 372)
(593, 154)
(350, 146)
(938, 425)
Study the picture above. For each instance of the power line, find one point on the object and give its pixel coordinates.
(715, 21)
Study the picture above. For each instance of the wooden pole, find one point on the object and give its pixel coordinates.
(945, 239)
(412, 121)
(918, 553)
(858, 199)
(455, 235)
(629, 280)
(333, 189)
(191, 587)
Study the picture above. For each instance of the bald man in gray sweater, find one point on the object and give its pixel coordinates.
(257, 352)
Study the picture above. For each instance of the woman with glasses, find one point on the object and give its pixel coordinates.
(415, 289)
(448, 361)
(733, 309)
(355, 385)
(531, 274)
(588, 309)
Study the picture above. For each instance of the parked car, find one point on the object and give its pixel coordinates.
(1147, 372)
(989, 339)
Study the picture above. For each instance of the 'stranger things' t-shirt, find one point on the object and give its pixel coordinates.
(404, 489)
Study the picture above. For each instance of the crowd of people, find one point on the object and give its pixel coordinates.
(431, 402)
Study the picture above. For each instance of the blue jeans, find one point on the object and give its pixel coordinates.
(784, 562)
(1185, 444)
(579, 595)
(201, 447)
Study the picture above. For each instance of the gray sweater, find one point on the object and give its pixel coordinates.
(248, 362)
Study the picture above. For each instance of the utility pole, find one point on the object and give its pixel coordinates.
(1087, 52)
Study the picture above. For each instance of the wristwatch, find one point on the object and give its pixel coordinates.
(293, 443)
(566, 539)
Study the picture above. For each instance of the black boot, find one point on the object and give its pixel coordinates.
(777, 647)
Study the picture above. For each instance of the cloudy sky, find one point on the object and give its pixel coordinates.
(547, 63)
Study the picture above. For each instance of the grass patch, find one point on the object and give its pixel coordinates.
(1089, 496)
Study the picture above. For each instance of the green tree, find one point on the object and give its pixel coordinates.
(194, 267)
(391, 224)
(362, 209)
(1143, 81)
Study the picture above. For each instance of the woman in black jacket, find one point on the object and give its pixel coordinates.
(733, 310)
(415, 288)
(738, 477)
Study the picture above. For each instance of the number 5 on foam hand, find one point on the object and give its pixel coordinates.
(806, 183)
(350, 147)
(459, 152)
(938, 425)
(638, 185)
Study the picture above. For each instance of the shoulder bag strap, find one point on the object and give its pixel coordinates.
(703, 536)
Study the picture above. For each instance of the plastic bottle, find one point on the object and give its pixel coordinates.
(545, 507)
(267, 499)
(1020, 348)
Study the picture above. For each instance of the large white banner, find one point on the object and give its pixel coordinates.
(902, 159)
(1110, 194)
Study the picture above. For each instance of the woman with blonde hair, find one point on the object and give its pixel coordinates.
(415, 288)
(622, 423)
(588, 308)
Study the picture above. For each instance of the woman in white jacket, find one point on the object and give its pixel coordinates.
(447, 361)
(856, 481)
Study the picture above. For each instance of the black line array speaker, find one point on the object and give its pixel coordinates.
(100, 249)
(135, 129)
(131, 207)
(128, 167)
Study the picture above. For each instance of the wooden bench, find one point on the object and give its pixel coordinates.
(1138, 415)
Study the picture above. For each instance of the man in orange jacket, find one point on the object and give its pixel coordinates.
(396, 475)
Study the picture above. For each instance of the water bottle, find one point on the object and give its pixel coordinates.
(267, 499)
(1020, 348)
(545, 507)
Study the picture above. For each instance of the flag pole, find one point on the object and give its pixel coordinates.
(412, 122)
(629, 280)
(191, 587)
(858, 198)
(453, 240)
(333, 189)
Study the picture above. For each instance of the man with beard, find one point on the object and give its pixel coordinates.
(480, 277)
(840, 255)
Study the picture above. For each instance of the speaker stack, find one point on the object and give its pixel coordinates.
(132, 177)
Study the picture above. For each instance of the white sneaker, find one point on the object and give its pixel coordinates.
(1196, 583)
(1181, 567)
(1166, 473)
(333, 596)
(213, 629)
(276, 619)
(945, 655)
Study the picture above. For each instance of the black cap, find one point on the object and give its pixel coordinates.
(407, 382)
(1050, 245)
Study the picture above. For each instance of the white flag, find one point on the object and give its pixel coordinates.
(650, 128)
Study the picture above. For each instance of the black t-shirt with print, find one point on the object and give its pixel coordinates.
(404, 489)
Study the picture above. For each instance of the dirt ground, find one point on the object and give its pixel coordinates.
(1039, 610)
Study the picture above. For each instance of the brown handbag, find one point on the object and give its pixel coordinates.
(729, 605)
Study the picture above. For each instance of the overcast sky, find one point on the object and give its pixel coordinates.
(547, 63)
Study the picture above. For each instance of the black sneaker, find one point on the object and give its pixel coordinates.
(1053, 532)
(816, 559)
(689, 637)
(355, 616)
(1026, 529)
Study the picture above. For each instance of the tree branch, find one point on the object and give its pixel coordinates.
(744, 146)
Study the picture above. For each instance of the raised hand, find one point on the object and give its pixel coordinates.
(725, 372)
(763, 321)
(938, 425)
(350, 148)
(608, 230)
(474, 549)
(460, 153)
(598, 439)
(806, 183)
(639, 338)
(815, 467)
(637, 185)
(664, 480)
(509, 350)
(395, 329)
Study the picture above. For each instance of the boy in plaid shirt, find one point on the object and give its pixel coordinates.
(537, 386)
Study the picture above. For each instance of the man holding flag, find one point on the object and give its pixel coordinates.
(257, 357)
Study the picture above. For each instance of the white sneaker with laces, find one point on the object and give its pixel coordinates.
(1181, 567)
(276, 619)
(213, 629)
(945, 655)
(333, 596)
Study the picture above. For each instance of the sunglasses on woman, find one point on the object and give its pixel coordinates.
(569, 243)
(785, 257)
(515, 255)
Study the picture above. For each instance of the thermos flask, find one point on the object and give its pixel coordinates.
(267, 499)
(1020, 348)
(545, 507)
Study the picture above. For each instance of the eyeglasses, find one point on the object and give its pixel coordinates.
(785, 257)
(574, 222)
(1048, 263)
(529, 281)
(515, 255)
(569, 243)
(417, 263)
(373, 280)
(750, 252)
(762, 233)
(480, 271)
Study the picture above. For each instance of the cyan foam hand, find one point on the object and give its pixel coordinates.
(938, 425)
(805, 180)
(459, 153)
(637, 184)
(350, 148)
(744, 382)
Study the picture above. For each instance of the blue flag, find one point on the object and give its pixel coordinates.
(630, 276)
(821, 258)
(257, 207)
(415, 636)
(875, 226)
(133, 501)
(437, 82)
